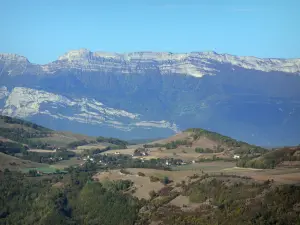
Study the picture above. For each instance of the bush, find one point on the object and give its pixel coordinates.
(165, 191)
(124, 171)
(141, 174)
(194, 176)
(152, 194)
(202, 150)
(33, 173)
(154, 179)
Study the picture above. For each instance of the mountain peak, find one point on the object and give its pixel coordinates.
(193, 63)
(76, 55)
(13, 57)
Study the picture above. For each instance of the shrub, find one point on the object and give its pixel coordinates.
(152, 194)
(194, 176)
(154, 179)
(165, 191)
(124, 171)
(141, 174)
(202, 150)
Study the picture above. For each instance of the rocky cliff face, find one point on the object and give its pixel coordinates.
(146, 94)
(194, 64)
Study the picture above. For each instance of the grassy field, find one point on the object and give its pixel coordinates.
(67, 163)
(279, 175)
(142, 184)
(216, 166)
(14, 163)
(94, 146)
(128, 151)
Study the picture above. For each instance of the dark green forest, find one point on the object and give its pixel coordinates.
(80, 200)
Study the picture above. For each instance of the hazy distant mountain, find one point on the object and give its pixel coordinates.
(149, 95)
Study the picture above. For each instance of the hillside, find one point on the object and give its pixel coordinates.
(14, 163)
(142, 95)
(33, 142)
(225, 143)
(87, 197)
(203, 143)
(280, 157)
(112, 188)
(27, 145)
(35, 136)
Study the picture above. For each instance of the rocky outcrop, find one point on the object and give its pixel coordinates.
(195, 64)
(26, 102)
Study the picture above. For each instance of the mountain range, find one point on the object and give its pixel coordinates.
(156, 94)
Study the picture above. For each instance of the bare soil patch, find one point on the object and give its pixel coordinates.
(3, 139)
(204, 142)
(58, 185)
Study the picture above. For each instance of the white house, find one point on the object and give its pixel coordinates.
(236, 156)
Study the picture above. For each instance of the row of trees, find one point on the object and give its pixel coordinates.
(203, 150)
(11, 147)
(47, 157)
(169, 145)
(116, 143)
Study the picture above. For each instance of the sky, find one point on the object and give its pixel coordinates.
(43, 30)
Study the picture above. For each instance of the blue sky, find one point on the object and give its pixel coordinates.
(42, 30)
